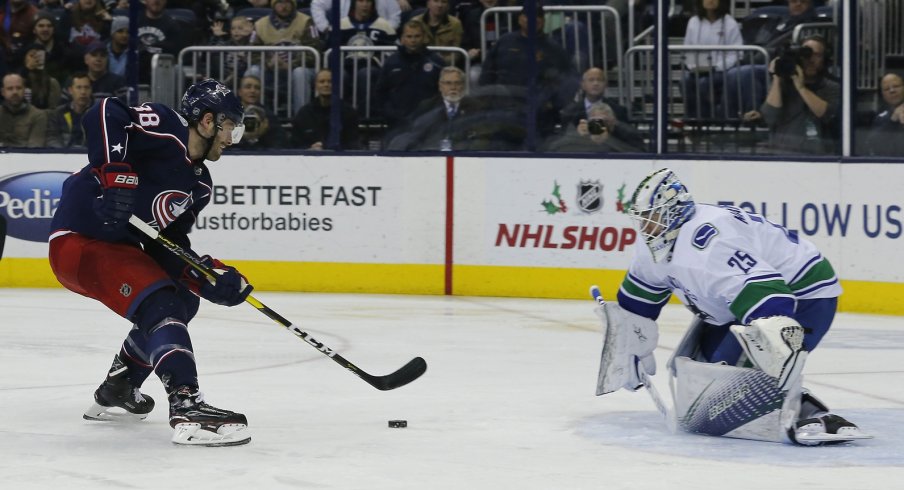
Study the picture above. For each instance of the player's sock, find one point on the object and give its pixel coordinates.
(170, 352)
(117, 398)
(198, 423)
(134, 355)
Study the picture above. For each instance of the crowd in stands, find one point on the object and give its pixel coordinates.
(59, 57)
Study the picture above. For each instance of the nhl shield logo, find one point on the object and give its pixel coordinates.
(590, 196)
(125, 290)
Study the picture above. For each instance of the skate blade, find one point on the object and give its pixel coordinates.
(818, 438)
(191, 434)
(112, 414)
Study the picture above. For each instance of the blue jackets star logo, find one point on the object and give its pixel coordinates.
(117, 148)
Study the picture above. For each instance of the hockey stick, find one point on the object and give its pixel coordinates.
(645, 379)
(2, 234)
(401, 377)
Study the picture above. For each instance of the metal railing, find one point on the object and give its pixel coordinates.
(370, 59)
(285, 72)
(711, 96)
(583, 31)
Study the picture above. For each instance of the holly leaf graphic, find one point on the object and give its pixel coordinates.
(555, 190)
(550, 207)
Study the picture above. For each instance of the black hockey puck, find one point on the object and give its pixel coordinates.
(398, 424)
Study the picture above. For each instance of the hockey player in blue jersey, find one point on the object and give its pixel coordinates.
(763, 298)
(148, 161)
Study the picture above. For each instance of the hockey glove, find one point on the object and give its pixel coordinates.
(119, 186)
(628, 344)
(775, 346)
(230, 288)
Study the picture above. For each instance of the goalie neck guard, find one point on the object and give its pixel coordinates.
(660, 205)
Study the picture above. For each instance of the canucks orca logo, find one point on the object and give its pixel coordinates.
(28, 201)
(703, 235)
(168, 206)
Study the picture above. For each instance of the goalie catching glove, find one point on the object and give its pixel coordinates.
(775, 346)
(628, 345)
(230, 288)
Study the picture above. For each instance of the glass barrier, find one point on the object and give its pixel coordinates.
(739, 77)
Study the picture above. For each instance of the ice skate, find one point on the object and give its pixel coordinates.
(199, 424)
(117, 400)
(825, 429)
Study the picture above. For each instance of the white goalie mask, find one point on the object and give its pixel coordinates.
(660, 205)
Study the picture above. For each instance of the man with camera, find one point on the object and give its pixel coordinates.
(262, 127)
(802, 105)
(595, 134)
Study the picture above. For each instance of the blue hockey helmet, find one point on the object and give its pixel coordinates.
(660, 205)
(212, 96)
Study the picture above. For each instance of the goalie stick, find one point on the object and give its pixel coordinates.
(401, 377)
(666, 412)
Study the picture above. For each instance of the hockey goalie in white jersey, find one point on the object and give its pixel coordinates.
(763, 299)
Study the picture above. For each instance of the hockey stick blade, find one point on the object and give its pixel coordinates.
(401, 377)
(2, 234)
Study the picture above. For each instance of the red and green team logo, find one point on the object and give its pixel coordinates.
(555, 206)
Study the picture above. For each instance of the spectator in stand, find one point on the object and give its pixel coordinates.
(363, 27)
(80, 25)
(286, 26)
(262, 128)
(443, 29)
(593, 135)
(22, 125)
(886, 136)
(64, 124)
(441, 122)
(103, 83)
(241, 32)
(802, 109)
(311, 126)
(593, 90)
(44, 34)
(704, 71)
(471, 34)
(41, 90)
(507, 65)
(158, 33)
(118, 47)
(746, 84)
(320, 12)
(16, 26)
(409, 76)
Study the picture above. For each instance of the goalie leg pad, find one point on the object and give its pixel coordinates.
(723, 400)
(628, 344)
(775, 346)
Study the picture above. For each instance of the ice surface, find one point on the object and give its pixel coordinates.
(507, 402)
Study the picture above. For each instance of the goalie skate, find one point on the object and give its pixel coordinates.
(197, 423)
(117, 400)
(825, 429)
